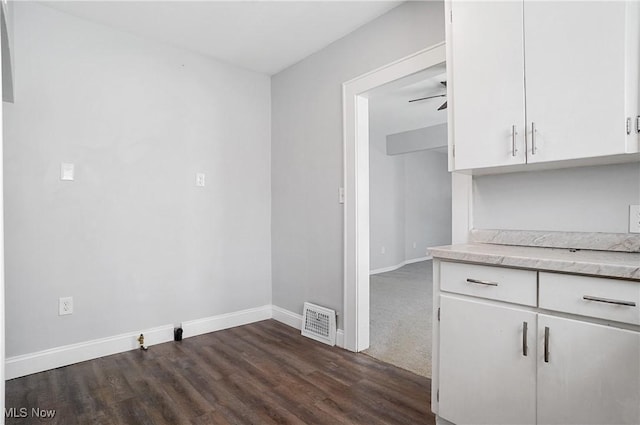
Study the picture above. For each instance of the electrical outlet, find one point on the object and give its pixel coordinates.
(415, 245)
(65, 306)
(383, 250)
(634, 218)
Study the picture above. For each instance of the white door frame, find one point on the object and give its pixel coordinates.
(356, 180)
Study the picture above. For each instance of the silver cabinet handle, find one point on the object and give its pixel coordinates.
(514, 150)
(533, 138)
(525, 349)
(546, 344)
(482, 282)
(609, 301)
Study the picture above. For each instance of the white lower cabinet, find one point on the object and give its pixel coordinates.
(502, 363)
(590, 373)
(487, 376)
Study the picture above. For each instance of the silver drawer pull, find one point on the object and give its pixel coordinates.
(482, 282)
(608, 301)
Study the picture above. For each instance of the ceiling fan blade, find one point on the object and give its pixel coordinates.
(443, 106)
(428, 97)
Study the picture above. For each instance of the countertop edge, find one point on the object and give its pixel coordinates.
(538, 262)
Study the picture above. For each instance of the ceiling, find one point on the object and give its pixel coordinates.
(262, 36)
(390, 107)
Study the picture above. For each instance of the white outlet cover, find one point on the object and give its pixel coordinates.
(65, 306)
(66, 171)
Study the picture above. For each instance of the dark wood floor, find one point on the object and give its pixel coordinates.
(263, 373)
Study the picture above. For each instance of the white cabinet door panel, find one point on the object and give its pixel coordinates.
(485, 378)
(592, 375)
(487, 95)
(633, 73)
(575, 79)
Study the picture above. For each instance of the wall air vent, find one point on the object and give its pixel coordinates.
(319, 323)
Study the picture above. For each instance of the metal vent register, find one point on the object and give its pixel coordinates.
(319, 323)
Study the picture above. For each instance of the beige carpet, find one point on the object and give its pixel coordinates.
(400, 317)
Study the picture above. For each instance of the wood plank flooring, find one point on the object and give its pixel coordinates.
(262, 373)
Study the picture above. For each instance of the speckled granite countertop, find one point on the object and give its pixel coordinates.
(624, 265)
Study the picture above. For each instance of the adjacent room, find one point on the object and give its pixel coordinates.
(410, 211)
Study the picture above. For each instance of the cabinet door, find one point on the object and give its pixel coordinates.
(487, 92)
(591, 376)
(575, 79)
(633, 73)
(485, 378)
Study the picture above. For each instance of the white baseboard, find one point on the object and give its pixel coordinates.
(386, 269)
(417, 260)
(27, 364)
(225, 321)
(340, 338)
(397, 266)
(295, 321)
(287, 317)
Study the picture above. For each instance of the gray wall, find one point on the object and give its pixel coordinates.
(427, 202)
(434, 136)
(7, 51)
(586, 199)
(307, 151)
(409, 196)
(410, 202)
(131, 239)
(387, 212)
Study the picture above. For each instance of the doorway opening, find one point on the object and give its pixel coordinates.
(356, 185)
(409, 211)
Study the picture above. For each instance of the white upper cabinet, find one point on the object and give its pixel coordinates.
(575, 79)
(487, 84)
(562, 74)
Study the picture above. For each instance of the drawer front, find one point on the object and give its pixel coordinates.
(611, 299)
(494, 283)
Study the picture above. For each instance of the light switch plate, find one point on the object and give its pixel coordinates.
(66, 171)
(65, 306)
(634, 218)
(200, 179)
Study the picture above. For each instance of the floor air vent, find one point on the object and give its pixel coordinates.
(319, 323)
